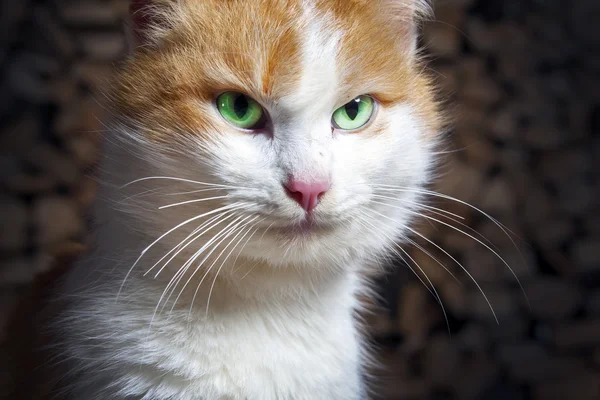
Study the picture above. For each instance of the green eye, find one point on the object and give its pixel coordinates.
(240, 110)
(353, 114)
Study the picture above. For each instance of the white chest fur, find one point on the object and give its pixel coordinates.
(300, 347)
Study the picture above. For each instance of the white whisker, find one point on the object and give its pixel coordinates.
(242, 249)
(477, 240)
(437, 295)
(140, 194)
(192, 201)
(184, 268)
(440, 211)
(242, 205)
(266, 230)
(180, 244)
(434, 258)
(250, 270)
(373, 229)
(237, 228)
(219, 219)
(199, 191)
(432, 290)
(182, 180)
(227, 257)
(448, 197)
(453, 259)
(490, 249)
(432, 210)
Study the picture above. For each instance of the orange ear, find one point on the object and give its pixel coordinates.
(407, 9)
(147, 19)
(140, 19)
(407, 14)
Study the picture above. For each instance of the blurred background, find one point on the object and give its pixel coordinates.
(522, 82)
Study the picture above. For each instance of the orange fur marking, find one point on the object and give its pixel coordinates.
(255, 47)
(211, 46)
(375, 54)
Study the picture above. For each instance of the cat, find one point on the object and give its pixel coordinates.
(262, 160)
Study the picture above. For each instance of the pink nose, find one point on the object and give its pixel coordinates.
(306, 194)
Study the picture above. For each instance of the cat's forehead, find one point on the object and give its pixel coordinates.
(306, 55)
(276, 48)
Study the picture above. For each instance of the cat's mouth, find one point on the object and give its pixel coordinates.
(306, 227)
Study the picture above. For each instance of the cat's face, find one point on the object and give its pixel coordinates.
(246, 94)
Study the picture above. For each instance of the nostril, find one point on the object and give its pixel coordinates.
(294, 194)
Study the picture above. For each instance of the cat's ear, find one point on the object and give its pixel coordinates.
(408, 16)
(148, 20)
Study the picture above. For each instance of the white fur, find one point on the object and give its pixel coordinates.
(280, 323)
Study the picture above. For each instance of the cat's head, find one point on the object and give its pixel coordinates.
(313, 117)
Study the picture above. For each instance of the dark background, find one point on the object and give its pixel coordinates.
(522, 82)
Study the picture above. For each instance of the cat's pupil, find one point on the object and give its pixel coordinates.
(240, 106)
(352, 109)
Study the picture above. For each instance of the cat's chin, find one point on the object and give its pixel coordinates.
(305, 244)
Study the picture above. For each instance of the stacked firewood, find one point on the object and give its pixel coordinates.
(520, 79)
(522, 84)
(54, 56)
